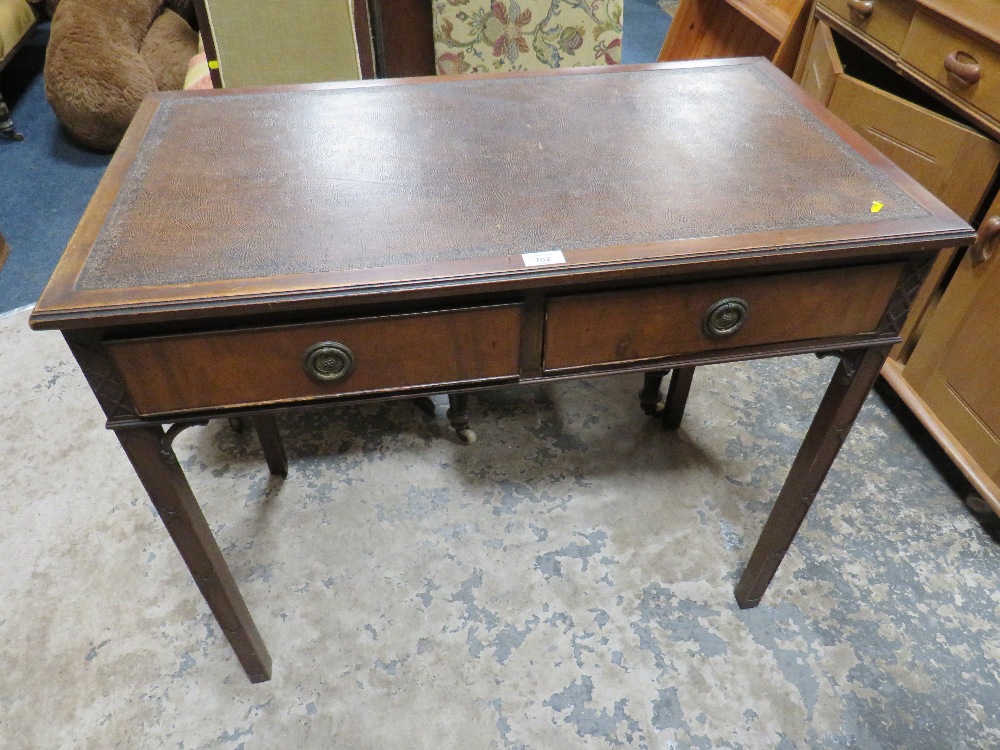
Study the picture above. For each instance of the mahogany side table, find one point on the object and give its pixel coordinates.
(262, 250)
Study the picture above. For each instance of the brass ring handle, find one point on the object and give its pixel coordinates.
(725, 317)
(863, 8)
(989, 232)
(328, 361)
(964, 67)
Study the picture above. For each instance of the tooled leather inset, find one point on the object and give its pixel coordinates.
(396, 175)
(103, 379)
(906, 291)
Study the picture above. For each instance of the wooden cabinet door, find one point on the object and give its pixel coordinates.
(821, 68)
(955, 365)
(951, 160)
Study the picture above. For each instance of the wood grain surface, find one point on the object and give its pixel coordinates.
(619, 327)
(265, 366)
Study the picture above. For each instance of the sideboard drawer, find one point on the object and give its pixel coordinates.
(963, 63)
(886, 21)
(652, 323)
(240, 368)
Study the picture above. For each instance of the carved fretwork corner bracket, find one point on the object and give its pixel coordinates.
(896, 311)
(850, 359)
(167, 441)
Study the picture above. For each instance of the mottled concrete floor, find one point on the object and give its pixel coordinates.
(565, 582)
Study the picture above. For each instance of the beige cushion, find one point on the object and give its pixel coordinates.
(268, 42)
(16, 19)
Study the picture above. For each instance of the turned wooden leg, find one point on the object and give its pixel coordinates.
(844, 397)
(161, 475)
(270, 441)
(677, 396)
(458, 415)
(649, 396)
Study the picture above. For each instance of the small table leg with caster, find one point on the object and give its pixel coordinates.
(458, 415)
(649, 396)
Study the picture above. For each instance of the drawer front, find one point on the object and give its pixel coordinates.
(885, 21)
(269, 365)
(633, 325)
(966, 65)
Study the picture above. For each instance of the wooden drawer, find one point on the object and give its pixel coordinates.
(265, 366)
(932, 46)
(886, 22)
(651, 323)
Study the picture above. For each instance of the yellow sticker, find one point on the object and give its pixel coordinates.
(877, 206)
(213, 64)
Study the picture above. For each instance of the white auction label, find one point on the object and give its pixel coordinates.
(551, 258)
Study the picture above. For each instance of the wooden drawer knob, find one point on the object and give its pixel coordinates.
(328, 361)
(964, 67)
(863, 8)
(989, 232)
(725, 317)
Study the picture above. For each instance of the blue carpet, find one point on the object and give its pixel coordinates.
(645, 29)
(46, 180)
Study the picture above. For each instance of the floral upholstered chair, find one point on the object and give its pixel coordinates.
(478, 36)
